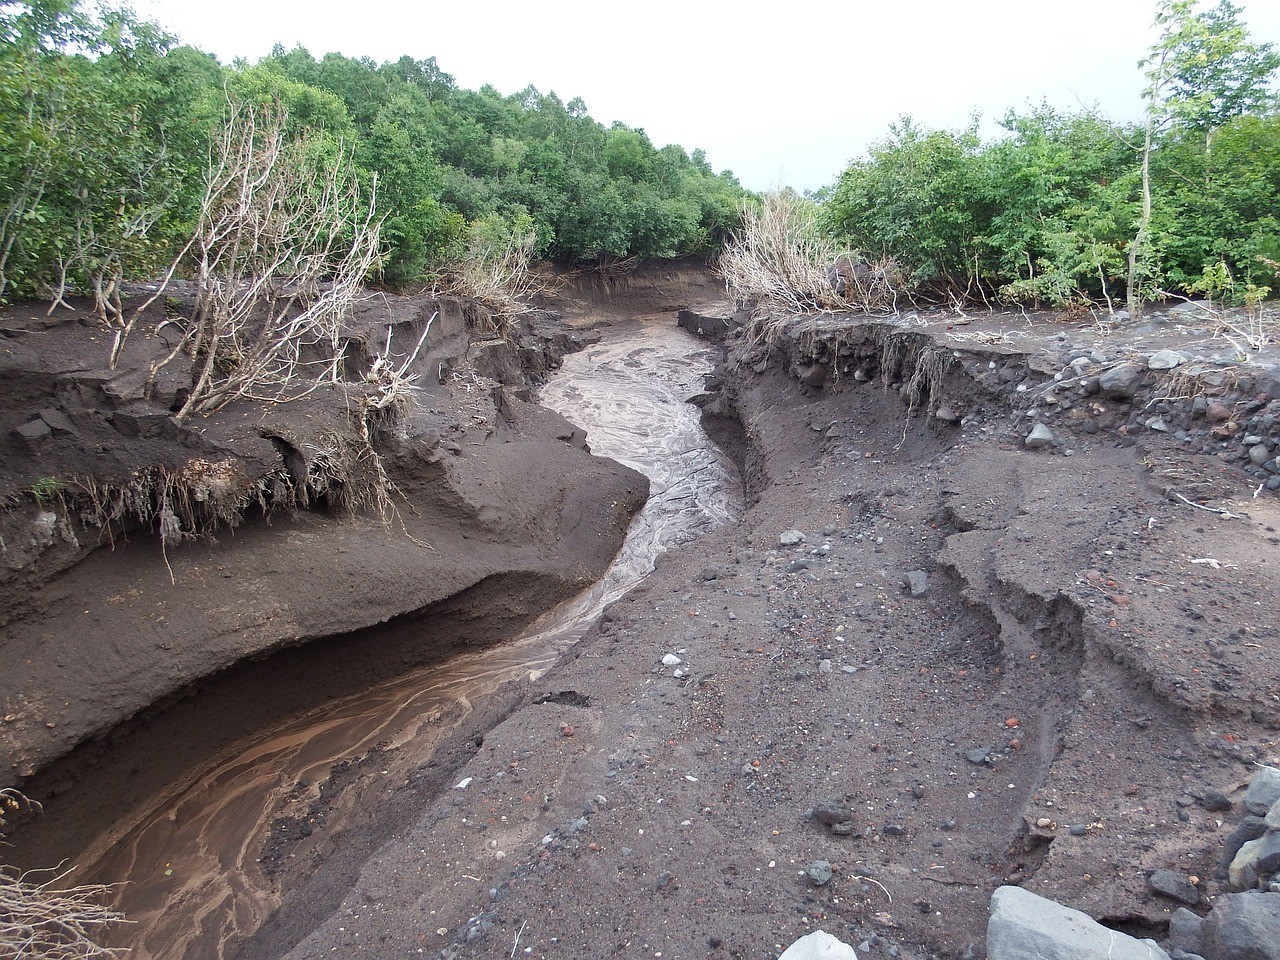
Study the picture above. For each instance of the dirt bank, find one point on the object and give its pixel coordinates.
(278, 541)
(1055, 705)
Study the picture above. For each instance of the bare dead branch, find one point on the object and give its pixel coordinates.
(285, 241)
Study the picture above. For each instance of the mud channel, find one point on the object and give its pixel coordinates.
(199, 858)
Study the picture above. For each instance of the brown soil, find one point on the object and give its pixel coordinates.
(1072, 632)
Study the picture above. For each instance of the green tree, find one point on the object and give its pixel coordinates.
(1201, 71)
(417, 228)
(917, 199)
(1057, 207)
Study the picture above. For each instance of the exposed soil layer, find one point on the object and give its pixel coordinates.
(1087, 648)
(486, 527)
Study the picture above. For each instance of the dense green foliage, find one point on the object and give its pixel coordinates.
(1052, 211)
(106, 123)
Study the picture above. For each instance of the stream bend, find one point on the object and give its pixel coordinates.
(196, 885)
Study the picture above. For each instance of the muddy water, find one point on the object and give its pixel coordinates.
(191, 857)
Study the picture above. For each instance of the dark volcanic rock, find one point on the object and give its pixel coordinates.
(1174, 885)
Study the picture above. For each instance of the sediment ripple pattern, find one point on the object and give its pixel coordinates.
(194, 888)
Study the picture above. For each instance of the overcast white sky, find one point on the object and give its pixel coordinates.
(783, 92)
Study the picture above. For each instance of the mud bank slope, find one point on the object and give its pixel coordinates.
(1052, 698)
(493, 505)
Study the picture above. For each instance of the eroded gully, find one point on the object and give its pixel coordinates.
(193, 856)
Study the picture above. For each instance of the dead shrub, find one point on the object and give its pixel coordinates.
(285, 241)
(497, 272)
(41, 919)
(782, 262)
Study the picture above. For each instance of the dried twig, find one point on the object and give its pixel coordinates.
(878, 884)
(41, 919)
(499, 276)
(1226, 514)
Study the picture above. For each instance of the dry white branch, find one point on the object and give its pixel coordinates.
(41, 919)
(285, 241)
(389, 384)
(1225, 514)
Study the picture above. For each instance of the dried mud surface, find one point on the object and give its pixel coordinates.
(1073, 638)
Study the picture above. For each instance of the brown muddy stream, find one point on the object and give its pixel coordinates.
(191, 854)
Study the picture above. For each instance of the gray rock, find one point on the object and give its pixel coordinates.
(671, 660)
(1269, 853)
(790, 538)
(824, 666)
(1273, 817)
(819, 872)
(1158, 425)
(835, 814)
(1244, 926)
(1259, 454)
(1024, 926)
(946, 414)
(832, 812)
(1214, 801)
(33, 432)
(1165, 360)
(1120, 382)
(1257, 860)
(1263, 791)
(811, 374)
(1250, 828)
(1039, 438)
(819, 945)
(709, 573)
(978, 755)
(1174, 885)
(1186, 930)
(916, 581)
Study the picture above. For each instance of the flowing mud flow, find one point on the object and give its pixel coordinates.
(198, 882)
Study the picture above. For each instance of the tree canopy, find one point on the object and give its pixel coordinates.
(1068, 208)
(106, 124)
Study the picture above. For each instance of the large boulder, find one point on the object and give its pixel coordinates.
(1243, 926)
(819, 945)
(1024, 926)
(1120, 382)
(1263, 792)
